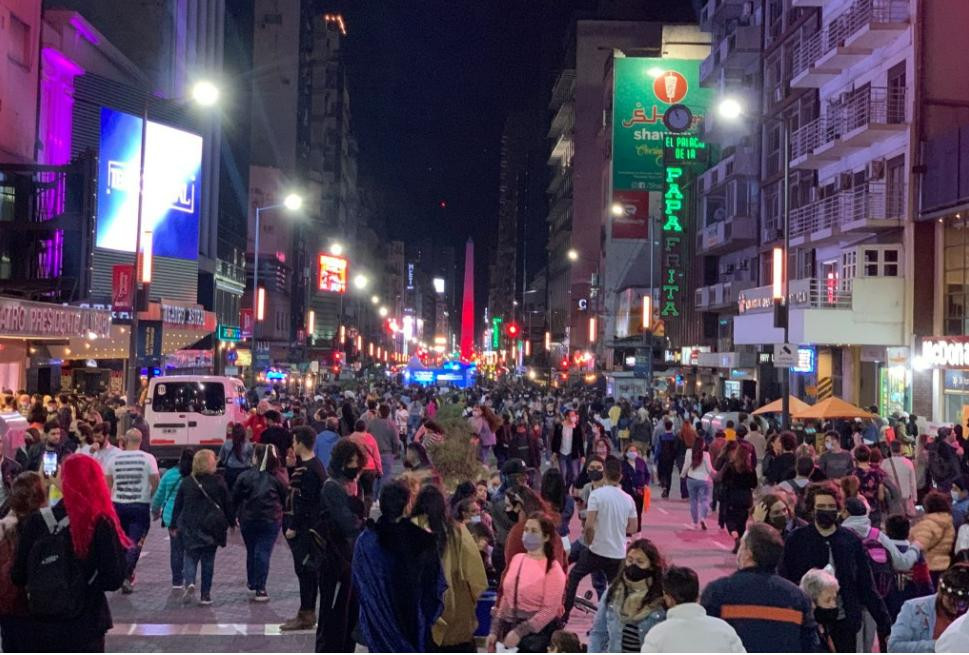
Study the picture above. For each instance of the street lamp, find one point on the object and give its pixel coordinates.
(617, 209)
(292, 202)
(374, 300)
(360, 281)
(573, 255)
(731, 109)
(205, 94)
(336, 248)
(383, 311)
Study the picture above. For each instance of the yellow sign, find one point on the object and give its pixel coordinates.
(243, 357)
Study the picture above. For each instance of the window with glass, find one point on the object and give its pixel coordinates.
(956, 281)
(207, 398)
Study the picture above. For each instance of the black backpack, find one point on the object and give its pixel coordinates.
(56, 584)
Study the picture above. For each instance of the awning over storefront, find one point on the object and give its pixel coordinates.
(25, 319)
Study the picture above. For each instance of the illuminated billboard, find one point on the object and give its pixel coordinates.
(172, 190)
(333, 274)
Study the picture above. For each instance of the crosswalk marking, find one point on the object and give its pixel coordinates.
(201, 630)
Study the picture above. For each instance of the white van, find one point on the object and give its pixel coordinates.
(191, 411)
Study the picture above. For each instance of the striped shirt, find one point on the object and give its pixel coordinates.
(130, 470)
(630, 638)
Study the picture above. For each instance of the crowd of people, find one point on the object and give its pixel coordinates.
(849, 536)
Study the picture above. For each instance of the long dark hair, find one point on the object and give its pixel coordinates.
(430, 504)
(553, 489)
(655, 591)
(696, 455)
(185, 462)
(238, 440)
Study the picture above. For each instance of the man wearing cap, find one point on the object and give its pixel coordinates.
(924, 624)
(513, 474)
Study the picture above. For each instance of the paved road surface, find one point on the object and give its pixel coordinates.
(153, 618)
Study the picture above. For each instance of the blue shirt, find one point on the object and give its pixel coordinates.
(959, 512)
(324, 446)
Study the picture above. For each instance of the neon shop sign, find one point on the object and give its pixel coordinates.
(670, 296)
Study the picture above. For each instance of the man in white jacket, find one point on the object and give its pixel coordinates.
(687, 628)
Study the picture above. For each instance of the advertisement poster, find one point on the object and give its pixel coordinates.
(123, 287)
(333, 274)
(644, 88)
(172, 189)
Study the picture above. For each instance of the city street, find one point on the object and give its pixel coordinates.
(154, 619)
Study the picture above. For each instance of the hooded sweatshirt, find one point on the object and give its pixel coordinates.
(901, 562)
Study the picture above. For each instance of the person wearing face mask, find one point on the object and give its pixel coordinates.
(520, 503)
(822, 588)
(341, 518)
(824, 544)
(633, 604)
(635, 478)
(530, 605)
(777, 510)
(768, 612)
(924, 620)
(960, 500)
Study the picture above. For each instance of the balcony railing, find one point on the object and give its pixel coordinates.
(873, 106)
(871, 202)
(839, 30)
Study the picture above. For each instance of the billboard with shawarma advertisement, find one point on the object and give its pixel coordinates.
(643, 89)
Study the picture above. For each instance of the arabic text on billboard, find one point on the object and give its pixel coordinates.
(172, 190)
(644, 89)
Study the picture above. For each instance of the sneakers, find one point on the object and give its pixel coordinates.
(304, 620)
(261, 597)
(206, 599)
(178, 587)
(189, 594)
(127, 587)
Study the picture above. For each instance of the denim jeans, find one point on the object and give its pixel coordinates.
(205, 557)
(176, 557)
(259, 537)
(699, 491)
(135, 519)
(569, 468)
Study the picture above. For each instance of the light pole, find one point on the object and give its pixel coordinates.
(731, 109)
(293, 202)
(204, 94)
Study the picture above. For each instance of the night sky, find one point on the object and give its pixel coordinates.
(431, 82)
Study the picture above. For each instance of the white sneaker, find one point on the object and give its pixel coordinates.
(189, 594)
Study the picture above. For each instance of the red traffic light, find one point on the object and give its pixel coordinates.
(512, 329)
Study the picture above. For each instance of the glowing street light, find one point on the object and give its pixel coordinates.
(730, 108)
(383, 311)
(617, 209)
(336, 248)
(293, 202)
(374, 300)
(573, 255)
(360, 281)
(205, 93)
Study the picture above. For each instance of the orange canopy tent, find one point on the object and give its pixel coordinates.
(797, 405)
(831, 408)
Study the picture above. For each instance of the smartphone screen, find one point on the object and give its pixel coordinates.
(50, 463)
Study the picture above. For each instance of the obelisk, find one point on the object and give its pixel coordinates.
(467, 304)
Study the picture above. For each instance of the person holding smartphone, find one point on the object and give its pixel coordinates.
(51, 441)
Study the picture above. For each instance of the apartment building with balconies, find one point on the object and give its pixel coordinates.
(840, 74)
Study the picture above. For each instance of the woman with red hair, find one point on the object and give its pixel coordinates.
(97, 542)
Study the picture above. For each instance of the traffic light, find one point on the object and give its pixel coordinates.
(512, 330)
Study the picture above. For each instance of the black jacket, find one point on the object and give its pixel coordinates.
(258, 497)
(578, 441)
(806, 549)
(343, 517)
(780, 468)
(106, 556)
(195, 516)
(302, 509)
(279, 437)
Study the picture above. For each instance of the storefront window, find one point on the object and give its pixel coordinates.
(893, 390)
(956, 257)
(956, 388)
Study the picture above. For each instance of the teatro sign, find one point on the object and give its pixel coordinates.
(26, 319)
(945, 352)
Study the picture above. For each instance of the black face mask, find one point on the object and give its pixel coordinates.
(825, 518)
(408, 464)
(779, 523)
(825, 615)
(595, 476)
(634, 573)
(512, 515)
(351, 472)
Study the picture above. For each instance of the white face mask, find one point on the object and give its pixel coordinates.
(956, 496)
(476, 518)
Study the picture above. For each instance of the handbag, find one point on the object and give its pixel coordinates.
(535, 642)
(215, 524)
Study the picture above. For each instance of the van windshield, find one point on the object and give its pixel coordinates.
(196, 397)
